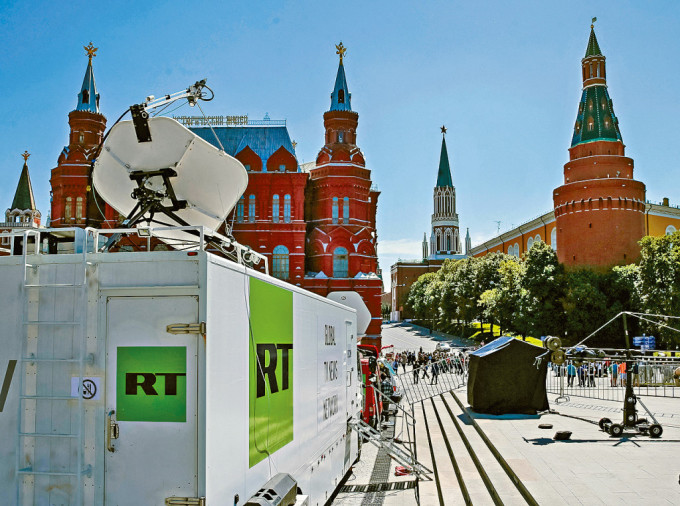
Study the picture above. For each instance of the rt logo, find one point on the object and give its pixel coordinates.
(267, 367)
(146, 381)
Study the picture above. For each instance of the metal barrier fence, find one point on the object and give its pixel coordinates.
(597, 380)
(433, 379)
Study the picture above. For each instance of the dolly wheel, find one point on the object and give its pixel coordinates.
(616, 430)
(655, 430)
(603, 421)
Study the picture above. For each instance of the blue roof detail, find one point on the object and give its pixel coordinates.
(341, 98)
(88, 98)
(264, 141)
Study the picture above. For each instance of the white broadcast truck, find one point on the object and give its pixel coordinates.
(167, 377)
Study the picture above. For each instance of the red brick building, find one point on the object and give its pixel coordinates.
(316, 226)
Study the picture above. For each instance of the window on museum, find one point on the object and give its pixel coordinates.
(79, 208)
(345, 210)
(280, 261)
(282, 168)
(239, 210)
(247, 166)
(275, 208)
(286, 209)
(340, 263)
(68, 209)
(334, 210)
(251, 208)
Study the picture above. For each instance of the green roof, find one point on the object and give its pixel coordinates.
(595, 120)
(444, 174)
(23, 198)
(593, 48)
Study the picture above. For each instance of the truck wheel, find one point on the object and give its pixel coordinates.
(655, 430)
(603, 421)
(616, 430)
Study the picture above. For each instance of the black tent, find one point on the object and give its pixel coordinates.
(506, 378)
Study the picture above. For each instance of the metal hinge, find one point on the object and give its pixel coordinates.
(185, 501)
(186, 328)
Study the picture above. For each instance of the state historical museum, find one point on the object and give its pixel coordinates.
(316, 223)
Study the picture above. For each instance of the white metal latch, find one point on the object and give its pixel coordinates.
(185, 501)
(186, 328)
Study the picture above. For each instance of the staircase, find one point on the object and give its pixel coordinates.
(398, 452)
(50, 436)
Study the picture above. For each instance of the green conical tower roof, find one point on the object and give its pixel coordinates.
(444, 174)
(23, 198)
(593, 48)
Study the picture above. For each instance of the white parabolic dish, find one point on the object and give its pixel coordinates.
(208, 179)
(356, 301)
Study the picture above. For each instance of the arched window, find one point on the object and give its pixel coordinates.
(340, 263)
(517, 250)
(239, 209)
(670, 229)
(537, 238)
(448, 241)
(68, 209)
(275, 208)
(530, 243)
(280, 267)
(345, 210)
(334, 211)
(251, 208)
(286, 208)
(553, 239)
(79, 208)
(341, 96)
(341, 136)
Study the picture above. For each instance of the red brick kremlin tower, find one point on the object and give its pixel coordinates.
(599, 210)
(341, 250)
(73, 203)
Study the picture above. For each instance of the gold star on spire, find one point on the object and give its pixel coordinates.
(443, 128)
(91, 50)
(25, 155)
(341, 50)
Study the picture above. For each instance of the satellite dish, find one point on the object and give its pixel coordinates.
(355, 301)
(192, 182)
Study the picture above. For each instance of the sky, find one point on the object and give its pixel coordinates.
(504, 77)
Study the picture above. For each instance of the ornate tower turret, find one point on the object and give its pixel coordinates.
(599, 210)
(341, 205)
(445, 237)
(73, 203)
(23, 212)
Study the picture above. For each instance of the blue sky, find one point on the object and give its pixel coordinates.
(504, 77)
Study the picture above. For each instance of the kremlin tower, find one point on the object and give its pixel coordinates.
(341, 208)
(599, 210)
(445, 236)
(22, 212)
(73, 201)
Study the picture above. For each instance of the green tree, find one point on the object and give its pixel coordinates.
(501, 304)
(659, 282)
(585, 305)
(542, 286)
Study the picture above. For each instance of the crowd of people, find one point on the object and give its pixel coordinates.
(429, 364)
(587, 372)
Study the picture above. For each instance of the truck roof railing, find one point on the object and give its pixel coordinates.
(47, 241)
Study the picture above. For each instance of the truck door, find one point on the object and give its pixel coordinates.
(151, 400)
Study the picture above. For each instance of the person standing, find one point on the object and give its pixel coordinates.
(435, 373)
(614, 369)
(571, 374)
